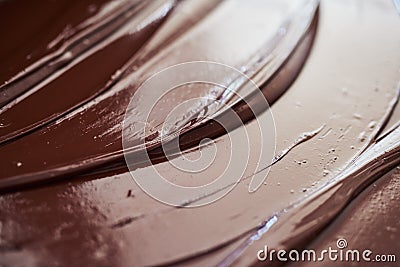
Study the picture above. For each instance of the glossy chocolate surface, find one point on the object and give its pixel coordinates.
(67, 198)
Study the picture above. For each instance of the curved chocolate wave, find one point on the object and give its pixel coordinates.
(71, 121)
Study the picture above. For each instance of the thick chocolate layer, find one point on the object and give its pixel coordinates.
(43, 37)
(90, 135)
(345, 94)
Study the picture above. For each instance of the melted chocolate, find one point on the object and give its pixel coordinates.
(49, 36)
(90, 136)
(349, 89)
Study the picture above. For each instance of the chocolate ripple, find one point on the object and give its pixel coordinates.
(90, 135)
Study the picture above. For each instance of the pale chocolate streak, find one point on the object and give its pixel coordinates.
(380, 157)
(347, 83)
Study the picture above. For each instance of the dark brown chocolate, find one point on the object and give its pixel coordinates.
(90, 136)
